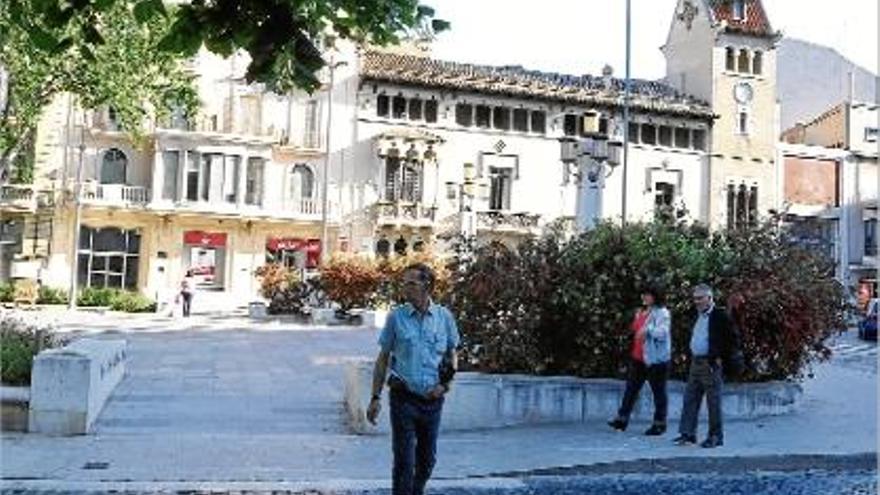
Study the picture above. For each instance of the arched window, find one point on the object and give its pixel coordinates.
(743, 65)
(400, 246)
(113, 167)
(757, 63)
(383, 248)
(411, 184)
(302, 182)
(730, 64)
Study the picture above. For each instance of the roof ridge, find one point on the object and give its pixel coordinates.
(516, 79)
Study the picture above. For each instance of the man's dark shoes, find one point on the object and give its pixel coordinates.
(685, 440)
(655, 430)
(712, 442)
(618, 424)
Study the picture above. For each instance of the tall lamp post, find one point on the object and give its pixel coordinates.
(77, 219)
(593, 159)
(325, 230)
(626, 94)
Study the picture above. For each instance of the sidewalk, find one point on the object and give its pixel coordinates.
(255, 406)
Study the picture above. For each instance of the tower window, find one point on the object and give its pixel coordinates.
(382, 105)
(743, 61)
(731, 59)
(757, 63)
(739, 9)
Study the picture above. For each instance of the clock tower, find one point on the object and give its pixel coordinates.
(724, 52)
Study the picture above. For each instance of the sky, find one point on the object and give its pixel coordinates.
(581, 36)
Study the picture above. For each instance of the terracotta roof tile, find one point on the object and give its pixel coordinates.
(755, 21)
(514, 80)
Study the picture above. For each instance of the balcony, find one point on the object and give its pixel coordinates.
(115, 195)
(511, 223)
(401, 213)
(24, 198)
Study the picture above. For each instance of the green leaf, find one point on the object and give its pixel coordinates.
(439, 25)
(103, 5)
(424, 11)
(92, 35)
(63, 46)
(42, 39)
(147, 9)
(87, 53)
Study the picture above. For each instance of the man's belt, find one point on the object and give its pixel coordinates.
(398, 386)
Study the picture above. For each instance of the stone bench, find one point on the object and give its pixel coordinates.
(70, 385)
(480, 401)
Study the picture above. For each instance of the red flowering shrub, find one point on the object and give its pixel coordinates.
(351, 281)
(556, 307)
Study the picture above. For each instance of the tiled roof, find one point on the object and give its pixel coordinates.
(755, 21)
(650, 96)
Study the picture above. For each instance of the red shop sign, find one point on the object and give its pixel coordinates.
(206, 239)
(285, 244)
(312, 247)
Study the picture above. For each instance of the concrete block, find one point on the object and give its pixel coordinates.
(70, 385)
(375, 318)
(479, 401)
(257, 310)
(531, 400)
(323, 316)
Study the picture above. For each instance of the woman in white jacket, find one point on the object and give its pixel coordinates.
(649, 360)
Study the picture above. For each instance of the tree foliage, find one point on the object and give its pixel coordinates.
(113, 61)
(283, 37)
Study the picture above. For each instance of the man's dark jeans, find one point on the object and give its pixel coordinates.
(415, 423)
(656, 375)
(704, 378)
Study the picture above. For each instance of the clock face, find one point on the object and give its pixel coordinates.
(743, 93)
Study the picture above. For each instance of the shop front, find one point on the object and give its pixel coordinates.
(205, 255)
(293, 252)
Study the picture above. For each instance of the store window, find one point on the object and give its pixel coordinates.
(108, 257)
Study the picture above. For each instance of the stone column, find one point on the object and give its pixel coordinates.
(241, 186)
(158, 176)
(183, 163)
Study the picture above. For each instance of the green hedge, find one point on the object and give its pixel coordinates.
(7, 290)
(51, 295)
(20, 341)
(131, 302)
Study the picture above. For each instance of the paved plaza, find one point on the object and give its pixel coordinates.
(219, 401)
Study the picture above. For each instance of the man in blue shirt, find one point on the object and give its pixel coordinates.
(418, 337)
(712, 341)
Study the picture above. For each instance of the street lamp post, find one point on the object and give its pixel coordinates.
(594, 159)
(626, 95)
(466, 191)
(325, 230)
(77, 219)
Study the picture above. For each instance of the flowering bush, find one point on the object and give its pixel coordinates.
(274, 278)
(352, 282)
(391, 273)
(557, 307)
